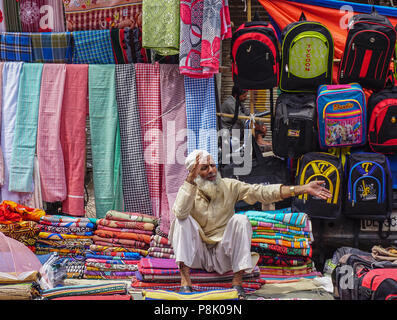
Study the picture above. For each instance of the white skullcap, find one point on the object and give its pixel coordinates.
(191, 158)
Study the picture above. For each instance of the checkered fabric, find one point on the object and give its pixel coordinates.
(201, 115)
(149, 103)
(15, 47)
(92, 47)
(135, 184)
(52, 47)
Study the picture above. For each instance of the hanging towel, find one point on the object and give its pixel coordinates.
(92, 47)
(52, 47)
(15, 47)
(173, 108)
(160, 26)
(11, 77)
(149, 104)
(25, 131)
(11, 13)
(105, 139)
(135, 183)
(119, 46)
(1, 106)
(2, 17)
(73, 136)
(49, 149)
(201, 115)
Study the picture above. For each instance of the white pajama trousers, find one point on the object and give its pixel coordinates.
(232, 253)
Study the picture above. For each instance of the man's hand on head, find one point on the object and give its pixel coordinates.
(193, 173)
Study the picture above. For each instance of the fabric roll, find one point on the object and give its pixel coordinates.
(173, 108)
(49, 149)
(160, 26)
(52, 47)
(11, 13)
(2, 16)
(149, 104)
(25, 130)
(201, 115)
(73, 136)
(135, 183)
(15, 47)
(92, 47)
(11, 76)
(105, 139)
(1, 106)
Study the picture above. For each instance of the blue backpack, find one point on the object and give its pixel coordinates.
(341, 113)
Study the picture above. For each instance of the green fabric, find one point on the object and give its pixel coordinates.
(105, 139)
(11, 15)
(27, 114)
(160, 26)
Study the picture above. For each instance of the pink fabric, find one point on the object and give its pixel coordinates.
(149, 104)
(49, 149)
(41, 15)
(100, 227)
(73, 136)
(1, 152)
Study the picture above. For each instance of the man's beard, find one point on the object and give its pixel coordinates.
(210, 188)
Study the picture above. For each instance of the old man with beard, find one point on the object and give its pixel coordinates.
(206, 233)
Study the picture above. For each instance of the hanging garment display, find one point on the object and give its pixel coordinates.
(2, 17)
(36, 200)
(135, 183)
(11, 14)
(102, 14)
(92, 47)
(49, 149)
(201, 115)
(173, 108)
(119, 46)
(52, 47)
(160, 26)
(15, 47)
(73, 136)
(11, 76)
(105, 139)
(1, 106)
(149, 105)
(29, 14)
(25, 130)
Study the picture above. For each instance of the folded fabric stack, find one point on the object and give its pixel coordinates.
(162, 273)
(160, 247)
(283, 240)
(70, 237)
(25, 286)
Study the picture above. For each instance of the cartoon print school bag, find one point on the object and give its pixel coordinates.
(341, 113)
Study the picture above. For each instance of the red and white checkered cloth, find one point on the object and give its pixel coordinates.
(149, 104)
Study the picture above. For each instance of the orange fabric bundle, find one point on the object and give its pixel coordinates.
(123, 235)
(11, 211)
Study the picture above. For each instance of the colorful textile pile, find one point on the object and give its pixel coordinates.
(11, 211)
(225, 294)
(26, 232)
(162, 273)
(160, 247)
(283, 240)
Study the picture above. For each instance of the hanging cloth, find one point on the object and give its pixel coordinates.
(105, 139)
(1, 106)
(135, 183)
(119, 46)
(173, 108)
(15, 47)
(25, 131)
(11, 13)
(201, 115)
(149, 105)
(160, 26)
(53, 8)
(11, 77)
(49, 149)
(52, 47)
(36, 200)
(2, 17)
(73, 136)
(29, 15)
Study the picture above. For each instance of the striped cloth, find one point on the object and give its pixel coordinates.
(105, 139)
(24, 146)
(15, 47)
(11, 15)
(92, 47)
(201, 115)
(52, 47)
(226, 294)
(149, 104)
(119, 46)
(49, 149)
(135, 183)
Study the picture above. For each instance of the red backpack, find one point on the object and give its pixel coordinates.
(378, 284)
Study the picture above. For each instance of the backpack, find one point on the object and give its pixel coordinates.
(378, 284)
(341, 111)
(255, 56)
(294, 125)
(324, 167)
(382, 119)
(369, 48)
(307, 56)
(369, 186)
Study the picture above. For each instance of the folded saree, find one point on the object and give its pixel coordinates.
(163, 255)
(164, 250)
(126, 224)
(115, 251)
(111, 262)
(100, 227)
(258, 246)
(133, 256)
(88, 225)
(81, 231)
(277, 236)
(107, 267)
(61, 236)
(65, 243)
(123, 235)
(297, 219)
(159, 245)
(130, 216)
(120, 242)
(110, 274)
(284, 243)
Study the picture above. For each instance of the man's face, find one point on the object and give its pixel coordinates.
(208, 170)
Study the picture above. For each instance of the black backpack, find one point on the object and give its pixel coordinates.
(368, 51)
(324, 167)
(294, 125)
(307, 56)
(368, 187)
(255, 56)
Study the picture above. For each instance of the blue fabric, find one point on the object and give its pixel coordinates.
(15, 47)
(93, 47)
(52, 47)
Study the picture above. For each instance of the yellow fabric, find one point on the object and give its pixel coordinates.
(228, 294)
(213, 216)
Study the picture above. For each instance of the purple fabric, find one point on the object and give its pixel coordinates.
(158, 263)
